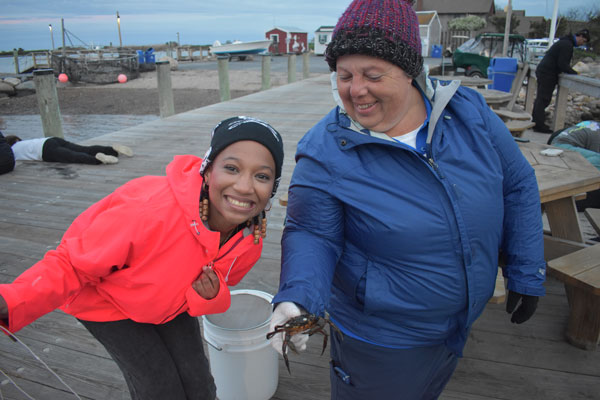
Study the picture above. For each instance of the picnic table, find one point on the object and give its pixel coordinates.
(465, 80)
(495, 98)
(560, 180)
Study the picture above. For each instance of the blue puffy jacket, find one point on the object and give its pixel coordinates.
(401, 248)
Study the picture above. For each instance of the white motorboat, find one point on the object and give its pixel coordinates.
(239, 49)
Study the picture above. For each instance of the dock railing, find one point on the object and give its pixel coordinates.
(566, 83)
(27, 62)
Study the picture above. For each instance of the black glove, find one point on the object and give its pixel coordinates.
(525, 310)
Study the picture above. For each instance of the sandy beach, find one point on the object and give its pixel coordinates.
(192, 88)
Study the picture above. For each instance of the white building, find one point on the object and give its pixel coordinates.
(430, 29)
(322, 38)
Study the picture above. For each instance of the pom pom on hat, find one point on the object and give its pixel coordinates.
(386, 29)
(240, 128)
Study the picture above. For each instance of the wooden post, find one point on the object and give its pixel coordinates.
(531, 91)
(165, 91)
(47, 97)
(16, 58)
(223, 62)
(266, 71)
(291, 68)
(305, 65)
(560, 108)
(178, 51)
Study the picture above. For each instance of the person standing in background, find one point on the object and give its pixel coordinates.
(557, 60)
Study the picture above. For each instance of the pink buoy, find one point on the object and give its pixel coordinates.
(122, 78)
(63, 78)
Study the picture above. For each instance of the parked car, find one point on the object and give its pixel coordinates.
(474, 55)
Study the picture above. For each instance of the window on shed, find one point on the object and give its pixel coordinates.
(275, 37)
(322, 38)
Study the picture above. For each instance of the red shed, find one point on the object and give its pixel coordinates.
(287, 40)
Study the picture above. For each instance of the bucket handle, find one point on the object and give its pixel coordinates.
(214, 346)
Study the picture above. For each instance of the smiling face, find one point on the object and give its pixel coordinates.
(240, 182)
(379, 95)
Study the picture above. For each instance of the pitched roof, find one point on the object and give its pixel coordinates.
(458, 7)
(425, 17)
(290, 29)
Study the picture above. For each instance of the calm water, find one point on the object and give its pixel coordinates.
(76, 128)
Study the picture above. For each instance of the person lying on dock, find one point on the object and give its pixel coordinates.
(139, 266)
(7, 158)
(54, 149)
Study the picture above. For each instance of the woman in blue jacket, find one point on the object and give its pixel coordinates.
(401, 199)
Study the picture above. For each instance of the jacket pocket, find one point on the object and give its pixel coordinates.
(350, 276)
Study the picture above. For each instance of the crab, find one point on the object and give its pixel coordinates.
(305, 323)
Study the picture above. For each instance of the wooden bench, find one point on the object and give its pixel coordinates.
(517, 127)
(580, 272)
(507, 115)
(283, 199)
(593, 216)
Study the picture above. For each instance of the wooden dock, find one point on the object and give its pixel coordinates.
(39, 200)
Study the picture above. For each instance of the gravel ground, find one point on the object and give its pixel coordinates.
(124, 101)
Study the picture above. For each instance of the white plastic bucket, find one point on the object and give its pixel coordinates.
(242, 361)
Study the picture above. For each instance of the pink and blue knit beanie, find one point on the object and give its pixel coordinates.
(387, 29)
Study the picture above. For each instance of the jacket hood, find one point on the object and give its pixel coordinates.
(185, 182)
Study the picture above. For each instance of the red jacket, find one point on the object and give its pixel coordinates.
(134, 254)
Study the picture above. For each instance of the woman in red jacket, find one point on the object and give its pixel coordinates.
(139, 266)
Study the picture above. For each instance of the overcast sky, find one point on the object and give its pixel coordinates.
(24, 23)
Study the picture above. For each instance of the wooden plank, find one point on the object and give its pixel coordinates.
(563, 219)
(518, 84)
(556, 247)
(502, 360)
(593, 216)
(583, 328)
(283, 199)
(511, 381)
(509, 114)
(499, 295)
(579, 269)
(517, 127)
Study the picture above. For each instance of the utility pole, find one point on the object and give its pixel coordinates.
(553, 24)
(119, 26)
(51, 35)
(62, 23)
(178, 43)
(508, 10)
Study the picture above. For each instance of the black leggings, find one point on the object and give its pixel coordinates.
(59, 150)
(165, 361)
